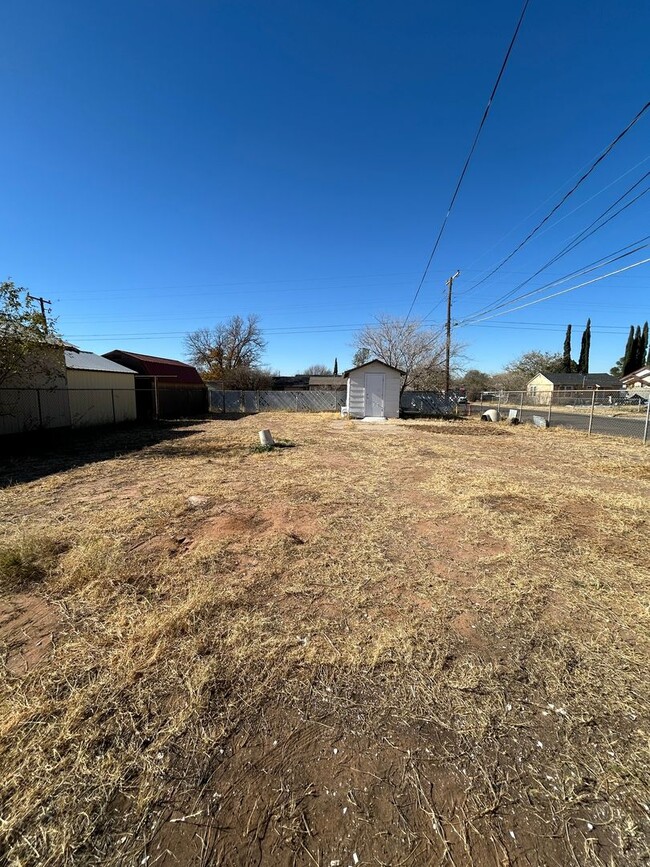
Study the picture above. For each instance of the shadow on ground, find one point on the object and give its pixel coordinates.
(33, 456)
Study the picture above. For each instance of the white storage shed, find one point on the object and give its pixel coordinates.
(100, 391)
(373, 390)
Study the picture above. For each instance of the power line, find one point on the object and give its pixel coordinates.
(558, 221)
(569, 289)
(603, 261)
(567, 195)
(575, 241)
(469, 156)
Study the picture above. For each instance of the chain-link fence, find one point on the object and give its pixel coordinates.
(263, 401)
(433, 404)
(413, 403)
(614, 413)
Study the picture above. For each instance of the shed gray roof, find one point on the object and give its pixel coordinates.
(374, 361)
(89, 361)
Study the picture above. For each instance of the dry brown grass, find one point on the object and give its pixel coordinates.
(458, 610)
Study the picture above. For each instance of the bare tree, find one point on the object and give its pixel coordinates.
(316, 370)
(409, 346)
(518, 373)
(230, 351)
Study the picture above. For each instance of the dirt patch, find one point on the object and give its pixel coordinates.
(508, 504)
(460, 428)
(298, 523)
(302, 788)
(456, 541)
(27, 625)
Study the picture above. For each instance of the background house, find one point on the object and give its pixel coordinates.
(99, 390)
(637, 379)
(299, 382)
(165, 388)
(373, 390)
(544, 386)
(327, 383)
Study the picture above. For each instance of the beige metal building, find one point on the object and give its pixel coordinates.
(36, 397)
(100, 391)
(373, 390)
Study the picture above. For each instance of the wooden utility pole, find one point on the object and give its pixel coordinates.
(42, 302)
(450, 283)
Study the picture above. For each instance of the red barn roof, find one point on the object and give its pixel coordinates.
(150, 365)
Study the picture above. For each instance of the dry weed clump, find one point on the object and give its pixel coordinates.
(27, 560)
(464, 618)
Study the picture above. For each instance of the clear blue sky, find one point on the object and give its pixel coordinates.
(165, 165)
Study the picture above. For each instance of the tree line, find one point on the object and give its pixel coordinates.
(231, 354)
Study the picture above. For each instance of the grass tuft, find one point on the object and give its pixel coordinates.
(28, 560)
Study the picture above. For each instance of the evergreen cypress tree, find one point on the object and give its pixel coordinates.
(643, 352)
(336, 367)
(628, 357)
(636, 353)
(566, 356)
(583, 362)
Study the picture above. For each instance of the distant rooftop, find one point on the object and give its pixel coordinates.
(175, 372)
(604, 380)
(79, 360)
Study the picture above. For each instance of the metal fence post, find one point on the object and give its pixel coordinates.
(296, 401)
(499, 403)
(591, 412)
(480, 405)
(40, 411)
(521, 407)
(647, 422)
(257, 399)
(550, 408)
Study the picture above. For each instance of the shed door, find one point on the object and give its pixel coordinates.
(374, 406)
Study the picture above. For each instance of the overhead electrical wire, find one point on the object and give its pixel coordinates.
(469, 156)
(603, 155)
(602, 262)
(575, 241)
(558, 221)
(569, 289)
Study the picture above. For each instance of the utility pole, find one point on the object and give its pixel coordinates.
(42, 302)
(450, 283)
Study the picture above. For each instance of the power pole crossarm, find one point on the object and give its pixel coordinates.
(42, 302)
(450, 284)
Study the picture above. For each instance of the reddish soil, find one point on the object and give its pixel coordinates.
(27, 625)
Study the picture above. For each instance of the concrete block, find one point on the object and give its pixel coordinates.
(540, 421)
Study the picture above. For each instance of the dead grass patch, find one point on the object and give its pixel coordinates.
(360, 645)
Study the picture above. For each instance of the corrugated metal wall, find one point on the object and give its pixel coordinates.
(100, 397)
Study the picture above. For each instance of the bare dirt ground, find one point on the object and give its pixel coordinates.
(400, 644)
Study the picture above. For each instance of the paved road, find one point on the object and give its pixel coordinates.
(620, 426)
